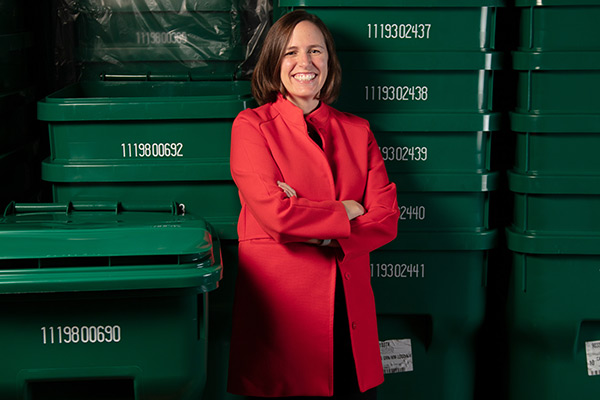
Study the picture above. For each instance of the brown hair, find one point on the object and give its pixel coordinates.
(266, 80)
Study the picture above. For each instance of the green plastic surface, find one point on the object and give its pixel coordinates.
(552, 313)
(436, 299)
(543, 148)
(403, 27)
(104, 246)
(444, 201)
(418, 143)
(145, 100)
(563, 26)
(559, 83)
(143, 345)
(390, 3)
(418, 82)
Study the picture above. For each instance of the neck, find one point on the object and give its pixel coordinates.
(307, 106)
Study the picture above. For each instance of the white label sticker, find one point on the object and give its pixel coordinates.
(592, 353)
(396, 356)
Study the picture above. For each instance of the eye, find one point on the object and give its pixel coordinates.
(290, 53)
(315, 51)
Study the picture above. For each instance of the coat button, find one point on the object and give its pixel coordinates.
(353, 325)
(347, 275)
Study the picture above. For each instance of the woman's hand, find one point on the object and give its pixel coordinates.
(353, 209)
(287, 189)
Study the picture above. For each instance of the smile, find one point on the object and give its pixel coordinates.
(305, 77)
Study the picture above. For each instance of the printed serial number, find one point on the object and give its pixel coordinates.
(397, 270)
(412, 213)
(156, 150)
(81, 334)
(161, 37)
(403, 153)
(398, 31)
(396, 93)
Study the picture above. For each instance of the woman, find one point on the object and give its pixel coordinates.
(316, 200)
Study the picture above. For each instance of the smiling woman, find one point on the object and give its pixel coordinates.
(316, 200)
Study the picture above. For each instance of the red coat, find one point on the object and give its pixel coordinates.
(282, 338)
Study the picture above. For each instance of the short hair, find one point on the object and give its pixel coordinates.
(266, 78)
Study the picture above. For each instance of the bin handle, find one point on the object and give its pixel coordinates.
(14, 208)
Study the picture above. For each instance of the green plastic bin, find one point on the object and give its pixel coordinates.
(202, 38)
(405, 25)
(392, 82)
(557, 82)
(430, 293)
(417, 143)
(553, 317)
(444, 201)
(134, 141)
(559, 144)
(104, 300)
(558, 25)
(555, 203)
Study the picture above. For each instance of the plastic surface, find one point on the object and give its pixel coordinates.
(418, 143)
(436, 298)
(552, 314)
(406, 27)
(557, 82)
(556, 145)
(562, 26)
(110, 293)
(203, 39)
(444, 201)
(421, 82)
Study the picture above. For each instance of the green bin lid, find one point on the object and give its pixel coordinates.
(421, 60)
(146, 100)
(391, 3)
(555, 243)
(441, 122)
(533, 3)
(105, 246)
(554, 184)
(445, 182)
(445, 240)
(555, 123)
(556, 60)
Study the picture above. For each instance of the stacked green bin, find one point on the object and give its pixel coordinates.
(104, 300)
(555, 184)
(423, 73)
(146, 141)
(200, 39)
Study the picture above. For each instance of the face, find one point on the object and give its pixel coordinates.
(304, 66)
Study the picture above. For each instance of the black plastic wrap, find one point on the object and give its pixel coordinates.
(160, 39)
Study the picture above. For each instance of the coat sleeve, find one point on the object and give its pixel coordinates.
(379, 225)
(256, 173)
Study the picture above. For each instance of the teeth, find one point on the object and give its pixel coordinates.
(305, 77)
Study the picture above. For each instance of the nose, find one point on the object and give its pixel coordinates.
(304, 59)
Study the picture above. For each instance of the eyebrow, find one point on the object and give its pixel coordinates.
(312, 45)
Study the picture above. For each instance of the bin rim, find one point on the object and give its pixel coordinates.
(556, 60)
(430, 122)
(422, 60)
(215, 169)
(554, 123)
(445, 240)
(391, 3)
(563, 243)
(445, 181)
(553, 184)
(59, 106)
